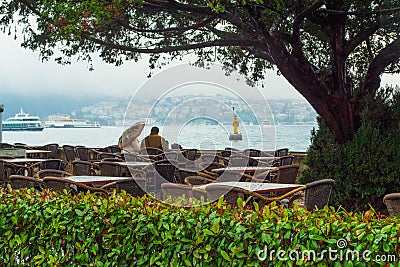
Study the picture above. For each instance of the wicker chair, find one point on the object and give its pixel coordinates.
(197, 180)
(80, 167)
(69, 153)
(286, 174)
(108, 168)
(208, 158)
(281, 152)
(134, 186)
(107, 155)
(175, 191)
(20, 181)
(228, 151)
(21, 145)
(51, 172)
(61, 184)
(166, 169)
(285, 160)
(251, 152)
(190, 154)
(113, 149)
(209, 166)
(392, 202)
(317, 194)
(83, 153)
(163, 171)
(54, 151)
(6, 145)
(151, 151)
(182, 174)
(238, 160)
(55, 164)
(7, 169)
(231, 194)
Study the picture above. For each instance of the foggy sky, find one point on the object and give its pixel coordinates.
(22, 72)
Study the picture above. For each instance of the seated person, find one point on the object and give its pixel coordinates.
(154, 140)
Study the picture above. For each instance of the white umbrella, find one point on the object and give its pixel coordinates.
(128, 140)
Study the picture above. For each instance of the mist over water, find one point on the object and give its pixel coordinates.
(294, 137)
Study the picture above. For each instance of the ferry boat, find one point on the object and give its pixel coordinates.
(58, 121)
(266, 123)
(22, 122)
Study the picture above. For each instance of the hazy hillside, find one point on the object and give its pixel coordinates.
(43, 105)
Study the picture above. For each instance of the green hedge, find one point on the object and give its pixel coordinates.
(364, 169)
(52, 229)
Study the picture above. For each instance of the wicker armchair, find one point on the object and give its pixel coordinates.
(55, 164)
(208, 158)
(52, 172)
(80, 167)
(281, 152)
(162, 171)
(83, 153)
(197, 180)
(69, 152)
(151, 151)
(134, 186)
(113, 149)
(54, 151)
(209, 166)
(231, 194)
(107, 155)
(392, 202)
(285, 160)
(7, 169)
(6, 145)
(251, 152)
(238, 160)
(61, 184)
(316, 195)
(190, 154)
(108, 168)
(286, 174)
(181, 174)
(20, 181)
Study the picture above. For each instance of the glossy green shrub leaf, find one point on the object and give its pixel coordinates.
(50, 229)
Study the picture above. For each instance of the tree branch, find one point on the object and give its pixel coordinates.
(388, 55)
(302, 15)
(298, 20)
(169, 49)
(363, 36)
(361, 13)
(174, 29)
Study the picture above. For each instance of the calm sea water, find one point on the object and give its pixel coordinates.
(294, 137)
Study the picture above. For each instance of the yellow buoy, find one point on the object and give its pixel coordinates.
(236, 135)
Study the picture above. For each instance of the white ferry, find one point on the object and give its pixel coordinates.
(59, 121)
(22, 122)
(266, 123)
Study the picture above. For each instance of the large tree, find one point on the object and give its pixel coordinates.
(333, 52)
